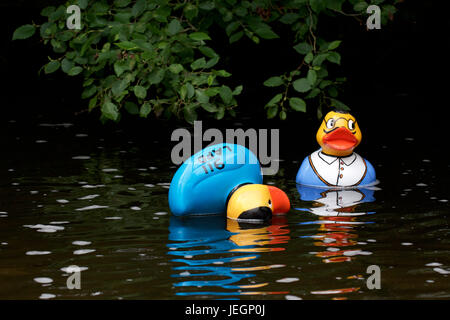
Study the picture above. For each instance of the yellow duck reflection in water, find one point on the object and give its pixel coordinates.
(219, 254)
(337, 211)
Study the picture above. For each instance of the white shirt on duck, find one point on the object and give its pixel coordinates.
(338, 171)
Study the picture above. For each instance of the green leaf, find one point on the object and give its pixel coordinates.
(272, 111)
(190, 90)
(297, 104)
(207, 51)
(303, 48)
(289, 18)
(146, 108)
(319, 59)
(274, 100)
(273, 82)
(309, 57)
(263, 30)
(311, 77)
(334, 57)
(174, 27)
(127, 45)
(301, 85)
(333, 45)
(83, 4)
(198, 64)
(360, 6)
(176, 68)
(156, 76)
(66, 65)
(226, 94)
(283, 115)
(89, 92)
(110, 111)
(131, 107)
(222, 73)
(209, 107)
(212, 62)
(199, 36)
(119, 86)
(201, 96)
(52, 66)
(190, 115)
(24, 32)
(140, 92)
(75, 71)
(138, 8)
(318, 5)
(237, 91)
(121, 3)
(232, 27)
(235, 37)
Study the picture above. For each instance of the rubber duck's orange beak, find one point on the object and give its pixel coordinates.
(280, 201)
(340, 139)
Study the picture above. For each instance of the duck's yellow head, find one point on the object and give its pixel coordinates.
(338, 134)
(257, 202)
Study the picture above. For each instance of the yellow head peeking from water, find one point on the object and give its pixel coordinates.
(338, 134)
(257, 202)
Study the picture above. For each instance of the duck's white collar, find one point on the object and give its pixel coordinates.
(338, 171)
(348, 160)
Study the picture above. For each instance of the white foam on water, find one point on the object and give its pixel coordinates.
(135, 208)
(59, 222)
(45, 296)
(41, 141)
(81, 243)
(110, 170)
(34, 192)
(443, 200)
(441, 271)
(421, 184)
(83, 251)
(352, 253)
(162, 213)
(433, 264)
(89, 197)
(37, 253)
(81, 158)
(292, 297)
(72, 269)
(149, 185)
(93, 207)
(89, 186)
(406, 243)
(43, 280)
(62, 201)
(288, 280)
(113, 218)
(44, 228)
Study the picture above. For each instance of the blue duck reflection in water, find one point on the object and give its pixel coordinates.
(337, 212)
(211, 250)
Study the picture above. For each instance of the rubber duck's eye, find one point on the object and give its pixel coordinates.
(330, 123)
(270, 203)
(351, 124)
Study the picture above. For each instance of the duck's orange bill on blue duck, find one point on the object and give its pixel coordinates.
(280, 200)
(257, 202)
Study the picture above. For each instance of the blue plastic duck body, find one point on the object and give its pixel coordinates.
(321, 170)
(203, 182)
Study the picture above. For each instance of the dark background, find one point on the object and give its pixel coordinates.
(397, 77)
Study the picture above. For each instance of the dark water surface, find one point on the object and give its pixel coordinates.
(70, 195)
